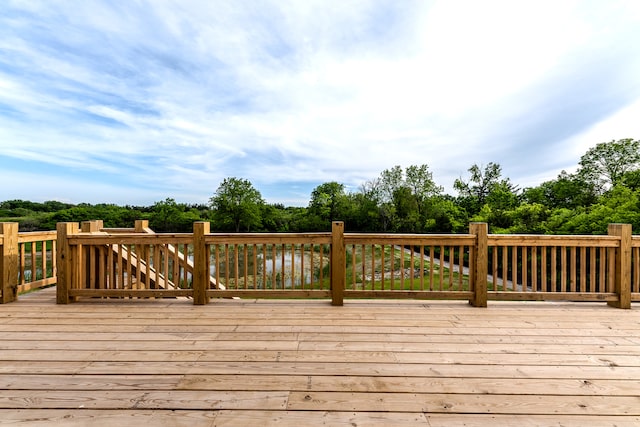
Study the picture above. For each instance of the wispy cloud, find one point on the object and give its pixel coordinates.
(165, 99)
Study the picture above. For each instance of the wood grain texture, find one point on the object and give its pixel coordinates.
(298, 363)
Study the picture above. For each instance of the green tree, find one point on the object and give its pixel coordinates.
(75, 214)
(276, 218)
(605, 164)
(631, 180)
(389, 182)
(169, 216)
(407, 210)
(365, 212)
(54, 206)
(420, 181)
(328, 203)
(560, 218)
(566, 191)
(237, 204)
(485, 185)
(473, 192)
(502, 200)
(529, 218)
(404, 195)
(445, 216)
(619, 205)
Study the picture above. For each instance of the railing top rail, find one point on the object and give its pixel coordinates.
(130, 239)
(266, 238)
(555, 236)
(553, 240)
(416, 239)
(36, 236)
(120, 231)
(411, 235)
(270, 235)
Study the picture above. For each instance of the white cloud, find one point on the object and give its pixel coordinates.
(623, 124)
(180, 95)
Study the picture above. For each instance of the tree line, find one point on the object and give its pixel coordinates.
(604, 189)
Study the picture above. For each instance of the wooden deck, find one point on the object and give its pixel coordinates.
(304, 362)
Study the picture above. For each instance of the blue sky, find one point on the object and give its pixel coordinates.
(131, 102)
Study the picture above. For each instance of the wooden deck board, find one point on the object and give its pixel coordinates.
(276, 362)
(224, 418)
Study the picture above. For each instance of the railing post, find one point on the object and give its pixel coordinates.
(142, 226)
(479, 268)
(9, 262)
(338, 263)
(64, 260)
(91, 226)
(200, 263)
(622, 275)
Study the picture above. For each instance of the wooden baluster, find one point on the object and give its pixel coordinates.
(255, 266)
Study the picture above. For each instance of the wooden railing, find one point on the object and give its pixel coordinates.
(415, 266)
(579, 268)
(96, 262)
(263, 265)
(27, 261)
(122, 262)
(38, 267)
(99, 262)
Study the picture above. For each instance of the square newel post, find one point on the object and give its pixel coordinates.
(9, 262)
(142, 226)
(64, 260)
(622, 274)
(200, 262)
(338, 263)
(91, 226)
(479, 266)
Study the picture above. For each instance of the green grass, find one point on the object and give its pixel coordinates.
(396, 260)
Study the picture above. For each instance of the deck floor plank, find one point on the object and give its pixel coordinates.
(296, 363)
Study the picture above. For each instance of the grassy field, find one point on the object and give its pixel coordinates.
(394, 268)
(377, 268)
